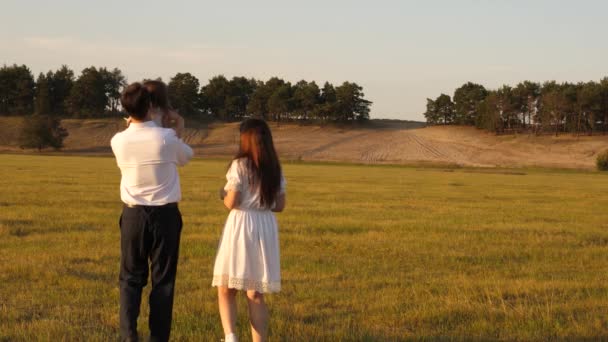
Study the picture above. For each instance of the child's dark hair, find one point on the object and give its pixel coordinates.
(257, 146)
(159, 95)
(135, 100)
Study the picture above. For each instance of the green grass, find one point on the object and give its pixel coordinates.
(368, 253)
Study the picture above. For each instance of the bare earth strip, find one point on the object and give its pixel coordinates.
(379, 142)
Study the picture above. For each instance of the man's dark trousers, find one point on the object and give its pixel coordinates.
(148, 234)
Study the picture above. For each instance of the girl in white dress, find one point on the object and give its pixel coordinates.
(248, 253)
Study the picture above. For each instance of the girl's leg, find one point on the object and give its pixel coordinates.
(227, 303)
(258, 315)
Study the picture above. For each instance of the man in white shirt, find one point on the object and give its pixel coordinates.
(151, 223)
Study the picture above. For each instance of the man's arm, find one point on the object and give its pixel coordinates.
(183, 152)
(115, 146)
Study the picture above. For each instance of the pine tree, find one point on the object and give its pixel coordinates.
(42, 103)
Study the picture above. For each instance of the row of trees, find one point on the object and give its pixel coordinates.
(529, 106)
(96, 92)
(274, 100)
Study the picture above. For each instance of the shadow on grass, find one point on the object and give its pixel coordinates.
(16, 227)
(88, 275)
(22, 228)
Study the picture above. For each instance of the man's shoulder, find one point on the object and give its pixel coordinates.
(167, 133)
(117, 137)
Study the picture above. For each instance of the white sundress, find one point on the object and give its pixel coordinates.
(248, 252)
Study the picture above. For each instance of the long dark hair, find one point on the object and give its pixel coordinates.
(159, 98)
(262, 160)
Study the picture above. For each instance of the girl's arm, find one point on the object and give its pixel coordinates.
(231, 199)
(179, 122)
(279, 204)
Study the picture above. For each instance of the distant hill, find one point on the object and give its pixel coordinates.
(379, 141)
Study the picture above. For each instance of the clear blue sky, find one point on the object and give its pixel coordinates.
(401, 52)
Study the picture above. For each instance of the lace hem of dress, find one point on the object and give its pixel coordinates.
(246, 284)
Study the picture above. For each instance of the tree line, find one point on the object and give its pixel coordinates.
(549, 107)
(96, 93)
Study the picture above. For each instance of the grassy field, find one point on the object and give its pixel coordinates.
(369, 253)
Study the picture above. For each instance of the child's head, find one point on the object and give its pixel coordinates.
(135, 100)
(159, 96)
(257, 145)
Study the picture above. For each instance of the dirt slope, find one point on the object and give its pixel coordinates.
(380, 142)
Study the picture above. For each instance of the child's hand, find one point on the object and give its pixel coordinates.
(173, 116)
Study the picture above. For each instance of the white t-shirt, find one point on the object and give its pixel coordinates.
(148, 156)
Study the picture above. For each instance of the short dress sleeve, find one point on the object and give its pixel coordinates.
(234, 177)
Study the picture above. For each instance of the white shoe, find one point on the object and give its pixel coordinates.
(231, 338)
